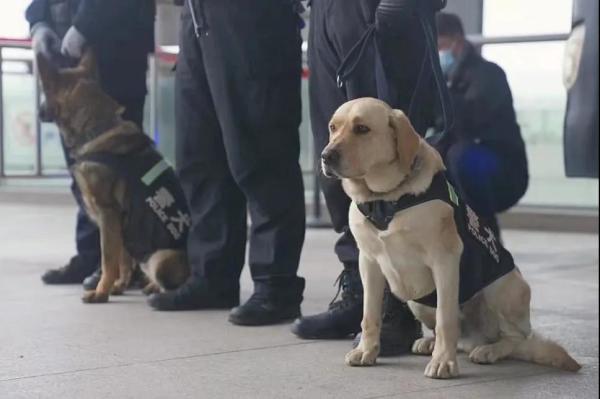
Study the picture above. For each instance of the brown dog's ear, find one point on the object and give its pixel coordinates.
(89, 93)
(87, 65)
(48, 74)
(407, 139)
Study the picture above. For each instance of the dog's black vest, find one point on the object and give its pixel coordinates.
(484, 259)
(157, 215)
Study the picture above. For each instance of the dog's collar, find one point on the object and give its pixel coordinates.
(380, 213)
(414, 168)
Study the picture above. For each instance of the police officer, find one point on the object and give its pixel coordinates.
(484, 151)
(366, 48)
(238, 109)
(121, 33)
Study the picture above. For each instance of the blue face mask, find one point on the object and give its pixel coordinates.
(447, 61)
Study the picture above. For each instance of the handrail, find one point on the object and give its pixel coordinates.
(23, 44)
(480, 40)
(15, 43)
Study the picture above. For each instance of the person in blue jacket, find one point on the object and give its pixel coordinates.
(484, 151)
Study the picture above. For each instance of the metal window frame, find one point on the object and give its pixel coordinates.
(38, 161)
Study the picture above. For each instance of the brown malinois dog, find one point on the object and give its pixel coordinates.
(128, 189)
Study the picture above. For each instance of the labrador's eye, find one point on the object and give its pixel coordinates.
(361, 129)
(332, 128)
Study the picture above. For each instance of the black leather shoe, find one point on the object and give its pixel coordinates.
(270, 304)
(342, 318)
(73, 273)
(193, 295)
(91, 281)
(399, 329)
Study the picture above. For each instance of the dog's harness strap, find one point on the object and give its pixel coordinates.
(381, 213)
(156, 215)
(483, 260)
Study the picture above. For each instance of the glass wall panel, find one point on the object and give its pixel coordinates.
(526, 17)
(534, 72)
(19, 119)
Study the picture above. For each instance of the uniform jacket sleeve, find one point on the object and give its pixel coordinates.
(97, 18)
(37, 12)
(487, 99)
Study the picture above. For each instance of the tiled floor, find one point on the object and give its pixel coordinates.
(53, 346)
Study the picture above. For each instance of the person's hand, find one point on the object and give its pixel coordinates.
(45, 41)
(73, 43)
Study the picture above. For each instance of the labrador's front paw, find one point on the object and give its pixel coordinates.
(95, 297)
(442, 367)
(423, 346)
(360, 357)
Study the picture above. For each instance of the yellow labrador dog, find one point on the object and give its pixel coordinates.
(434, 252)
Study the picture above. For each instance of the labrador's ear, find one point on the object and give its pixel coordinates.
(407, 139)
(49, 74)
(88, 65)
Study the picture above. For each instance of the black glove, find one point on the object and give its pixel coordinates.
(392, 17)
(45, 41)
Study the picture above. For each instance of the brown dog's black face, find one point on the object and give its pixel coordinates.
(74, 99)
(366, 133)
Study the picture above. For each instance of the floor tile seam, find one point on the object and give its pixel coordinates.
(155, 361)
(466, 383)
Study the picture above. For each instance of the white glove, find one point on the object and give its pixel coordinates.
(73, 43)
(44, 40)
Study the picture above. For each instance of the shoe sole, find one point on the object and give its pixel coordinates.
(324, 336)
(257, 323)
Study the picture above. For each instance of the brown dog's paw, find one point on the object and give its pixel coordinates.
(118, 288)
(151, 288)
(94, 297)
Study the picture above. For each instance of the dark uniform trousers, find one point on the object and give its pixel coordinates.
(336, 26)
(238, 109)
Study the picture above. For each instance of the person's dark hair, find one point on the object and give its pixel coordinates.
(449, 25)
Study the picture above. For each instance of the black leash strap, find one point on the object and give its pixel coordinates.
(385, 91)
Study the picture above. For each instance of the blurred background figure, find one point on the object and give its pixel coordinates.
(580, 77)
(484, 151)
(121, 33)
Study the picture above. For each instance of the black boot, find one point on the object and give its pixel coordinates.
(74, 272)
(195, 294)
(271, 303)
(399, 329)
(343, 317)
(91, 281)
